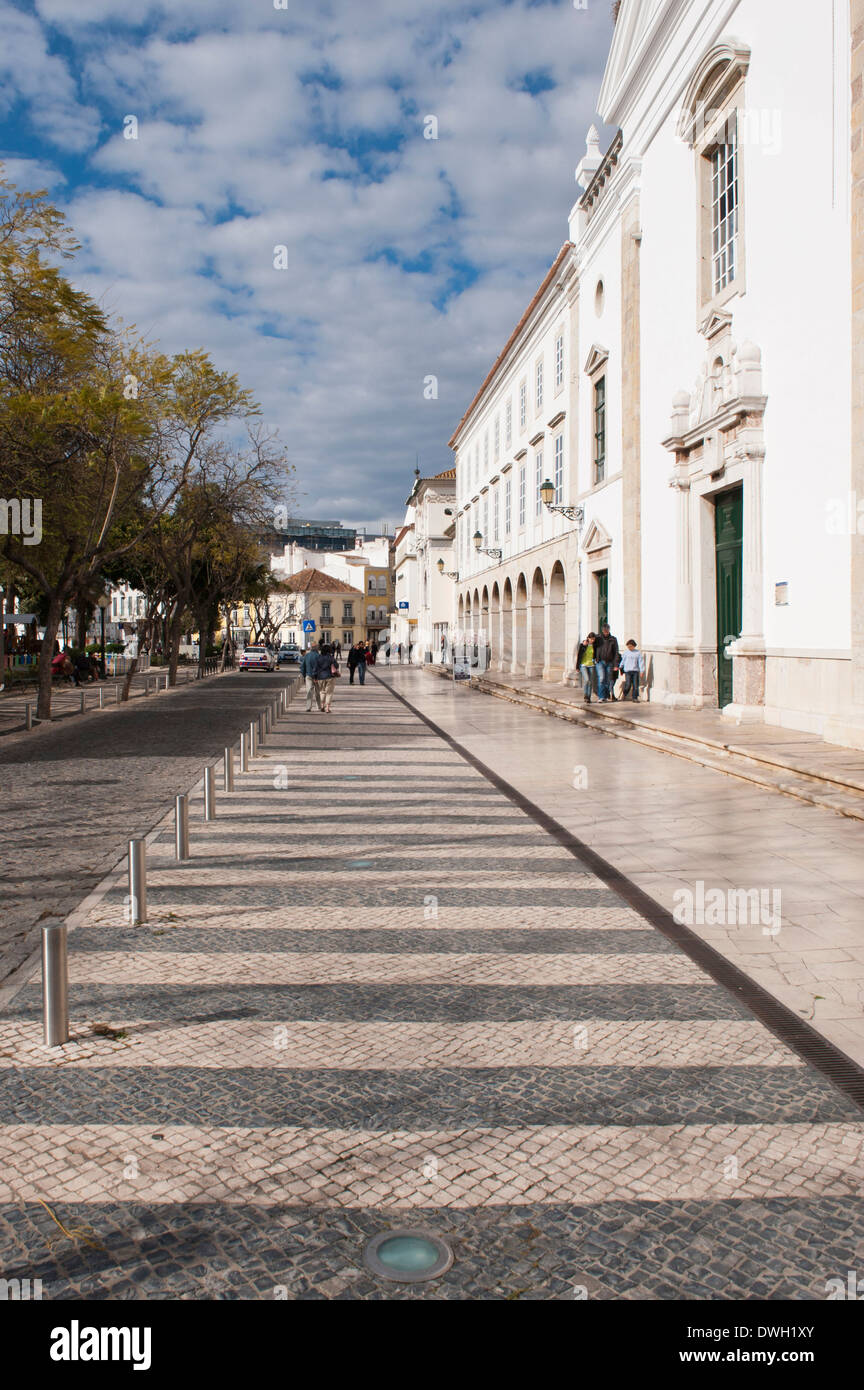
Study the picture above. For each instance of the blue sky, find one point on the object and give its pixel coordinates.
(303, 127)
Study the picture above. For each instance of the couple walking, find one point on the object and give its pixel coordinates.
(320, 670)
(358, 658)
(600, 660)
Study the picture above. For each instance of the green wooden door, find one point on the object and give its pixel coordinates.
(728, 532)
(602, 598)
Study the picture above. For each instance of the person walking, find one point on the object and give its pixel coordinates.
(585, 664)
(327, 669)
(362, 663)
(606, 659)
(633, 666)
(354, 660)
(308, 671)
(371, 652)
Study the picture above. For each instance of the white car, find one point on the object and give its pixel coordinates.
(257, 659)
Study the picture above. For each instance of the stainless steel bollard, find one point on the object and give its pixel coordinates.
(253, 739)
(181, 827)
(83, 700)
(118, 691)
(28, 717)
(262, 728)
(229, 769)
(55, 985)
(101, 698)
(209, 794)
(138, 881)
(268, 719)
(244, 761)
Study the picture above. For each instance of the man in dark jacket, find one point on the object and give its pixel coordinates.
(356, 663)
(607, 658)
(308, 668)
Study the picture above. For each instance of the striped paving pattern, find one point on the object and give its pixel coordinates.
(379, 986)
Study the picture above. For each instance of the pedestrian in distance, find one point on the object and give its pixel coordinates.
(308, 672)
(585, 664)
(606, 659)
(355, 660)
(327, 673)
(371, 652)
(633, 666)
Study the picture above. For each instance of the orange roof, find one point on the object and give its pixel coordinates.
(316, 581)
(552, 271)
(448, 473)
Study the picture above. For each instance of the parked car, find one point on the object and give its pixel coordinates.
(257, 659)
(289, 651)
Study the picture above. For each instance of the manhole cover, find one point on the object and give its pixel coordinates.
(407, 1256)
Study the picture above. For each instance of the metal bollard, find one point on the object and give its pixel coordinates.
(268, 719)
(262, 729)
(253, 739)
(244, 761)
(118, 690)
(181, 827)
(209, 794)
(55, 985)
(229, 769)
(101, 698)
(83, 701)
(138, 881)
(28, 717)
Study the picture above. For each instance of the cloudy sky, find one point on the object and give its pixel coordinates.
(303, 127)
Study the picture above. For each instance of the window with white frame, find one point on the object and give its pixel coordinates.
(559, 469)
(724, 210)
(600, 429)
(523, 494)
(486, 451)
(559, 361)
(508, 424)
(538, 480)
(508, 506)
(538, 385)
(523, 405)
(486, 519)
(495, 520)
(497, 437)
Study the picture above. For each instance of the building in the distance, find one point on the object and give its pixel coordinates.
(335, 608)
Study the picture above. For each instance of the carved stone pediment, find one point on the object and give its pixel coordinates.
(597, 359)
(596, 538)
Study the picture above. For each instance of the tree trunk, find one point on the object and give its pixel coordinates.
(46, 652)
(175, 627)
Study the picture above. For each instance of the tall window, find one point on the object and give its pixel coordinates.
(559, 361)
(724, 210)
(523, 494)
(486, 519)
(523, 405)
(508, 424)
(538, 383)
(508, 506)
(486, 451)
(495, 523)
(497, 438)
(538, 479)
(559, 468)
(600, 429)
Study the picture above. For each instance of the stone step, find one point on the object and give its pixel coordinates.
(762, 769)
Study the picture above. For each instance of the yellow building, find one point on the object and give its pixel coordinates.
(335, 608)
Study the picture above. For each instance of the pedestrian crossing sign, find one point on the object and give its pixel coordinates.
(308, 624)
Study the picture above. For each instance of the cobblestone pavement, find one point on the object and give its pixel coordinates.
(378, 995)
(74, 792)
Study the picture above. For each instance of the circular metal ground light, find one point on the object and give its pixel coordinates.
(407, 1256)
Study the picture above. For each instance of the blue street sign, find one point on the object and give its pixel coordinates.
(308, 624)
(403, 604)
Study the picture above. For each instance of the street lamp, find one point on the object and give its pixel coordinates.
(104, 601)
(478, 546)
(547, 497)
(451, 574)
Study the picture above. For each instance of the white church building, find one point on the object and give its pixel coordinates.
(688, 379)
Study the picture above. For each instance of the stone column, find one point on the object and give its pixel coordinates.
(631, 415)
(857, 470)
(683, 565)
(748, 653)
